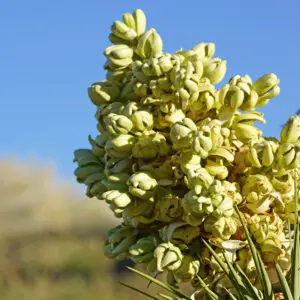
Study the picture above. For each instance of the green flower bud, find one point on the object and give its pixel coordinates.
(202, 143)
(151, 147)
(142, 185)
(257, 191)
(283, 183)
(119, 56)
(142, 120)
(140, 21)
(271, 249)
(149, 44)
(189, 161)
(104, 110)
(196, 207)
(118, 242)
(288, 156)
(262, 154)
(215, 70)
(223, 154)
(128, 91)
(83, 172)
(188, 269)
(117, 200)
(185, 234)
(205, 51)
(129, 20)
(116, 181)
(198, 178)
(85, 157)
(96, 189)
(162, 172)
(265, 83)
(216, 168)
(290, 133)
(168, 257)
(118, 124)
(120, 146)
(266, 227)
(223, 227)
(102, 92)
(182, 132)
(98, 145)
(122, 31)
(117, 165)
(168, 208)
(267, 88)
(142, 250)
(244, 129)
(157, 66)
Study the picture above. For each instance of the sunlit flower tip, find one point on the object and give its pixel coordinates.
(215, 70)
(149, 44)
(291, 131)
(265, 83)
(168, 257)
(205, 50)
(122, 31)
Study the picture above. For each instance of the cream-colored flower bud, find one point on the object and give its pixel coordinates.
(122, 31)
(205, 51)
(188, 269)
(215, 70)
(182, 132)
(290, 133)
(142, 120)
(149, 44)
(120, 146)
(118, 124)
(168, 257)
(103, 91)
(142, 185)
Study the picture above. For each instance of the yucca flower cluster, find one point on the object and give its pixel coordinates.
(175, 154)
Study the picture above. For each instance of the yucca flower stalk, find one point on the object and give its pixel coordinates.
(179, 160)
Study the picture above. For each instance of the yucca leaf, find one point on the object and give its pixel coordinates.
(214, 254)
(230, 273)
(210, 293)
(295, 259)
(231, 296)
(283, 283)
(165, 296)
(139, 291)
(249, 285)
(260, 268)
(236, 279)
(161, 284)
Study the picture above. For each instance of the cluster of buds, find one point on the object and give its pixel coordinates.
(175, 154)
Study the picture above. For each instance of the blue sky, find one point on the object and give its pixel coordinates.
(52, 50)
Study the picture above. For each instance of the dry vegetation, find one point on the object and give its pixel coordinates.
(51, 239)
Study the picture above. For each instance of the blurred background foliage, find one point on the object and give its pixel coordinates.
(51, 239)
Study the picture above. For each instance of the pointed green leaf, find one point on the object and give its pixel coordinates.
(231, 296)
(236, 279)
(283, 283)
(139, 291)
(295, 259)
(262, 274)
(250, 287)
(214, 254)
(210, 293)
(165, 296)
(161, 284)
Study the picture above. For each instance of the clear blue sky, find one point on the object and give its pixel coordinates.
(52, 50)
